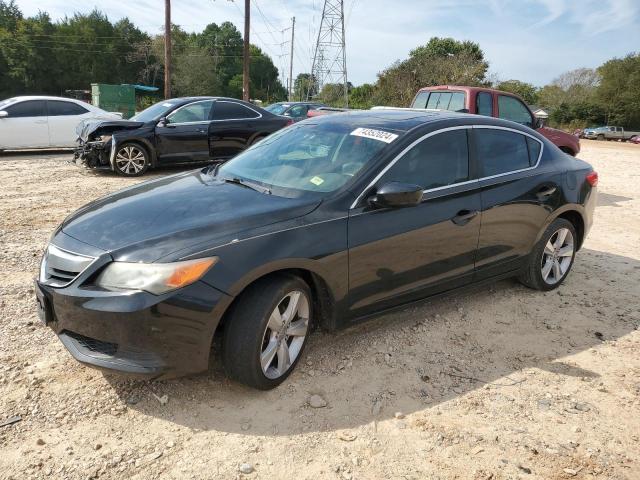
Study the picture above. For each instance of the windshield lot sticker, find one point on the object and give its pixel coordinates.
(381, 135)
(317, 181)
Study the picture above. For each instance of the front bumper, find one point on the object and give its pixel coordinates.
(93, 154)
(135, 333)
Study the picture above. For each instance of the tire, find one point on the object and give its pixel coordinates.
(131, 160)
(568, 151)
(552, 257)
(253, 347)
(600, 137)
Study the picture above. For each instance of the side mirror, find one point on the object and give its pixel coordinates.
(396, 195)
(4, 113)
(539, 123)
(163, 122)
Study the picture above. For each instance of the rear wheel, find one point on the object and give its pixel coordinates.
(266, 331)
(552, 257)
(131, 160)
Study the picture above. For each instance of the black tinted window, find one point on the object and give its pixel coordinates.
(501, 151)
(534, 150)
(231, 111)
(57, 108)
(484, 104)
(30, 108)
(511, 108)
(435, 162)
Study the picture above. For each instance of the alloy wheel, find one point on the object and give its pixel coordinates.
(130, 160)
(285, 334)
(557, 256)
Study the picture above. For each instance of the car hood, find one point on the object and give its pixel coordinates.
(157, 218)
(91, 128)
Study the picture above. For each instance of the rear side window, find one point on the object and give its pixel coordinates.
(232, 111)
(501, 151)
(534, 150)
(511, 108)
(57, 108)
(484, 104)
(437, 161)
(30, 108)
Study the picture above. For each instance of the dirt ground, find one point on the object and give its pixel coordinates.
(497, 383)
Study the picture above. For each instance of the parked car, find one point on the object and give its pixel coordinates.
(44, 122)
(174, 132)
(492, 103)
(609, 133)
(295, 110)
(323, 223)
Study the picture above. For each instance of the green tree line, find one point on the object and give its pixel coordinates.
(39, 56)
(609, 94)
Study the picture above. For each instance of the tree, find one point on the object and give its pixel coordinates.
(305, 85)
(619, 90)
(362, 96)
(526, 91)
(441, 61)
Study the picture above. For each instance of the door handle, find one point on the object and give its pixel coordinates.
(464, 216)
(546, 192)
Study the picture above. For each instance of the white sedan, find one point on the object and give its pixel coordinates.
(44, 122)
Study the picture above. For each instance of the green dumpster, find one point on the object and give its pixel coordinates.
(114, 98)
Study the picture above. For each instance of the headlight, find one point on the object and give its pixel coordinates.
(156, 278)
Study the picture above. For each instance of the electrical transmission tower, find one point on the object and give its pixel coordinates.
(330, 59)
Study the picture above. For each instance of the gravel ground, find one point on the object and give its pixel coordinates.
(496, 383)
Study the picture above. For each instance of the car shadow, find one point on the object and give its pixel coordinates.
(610, 200)
(494, 337)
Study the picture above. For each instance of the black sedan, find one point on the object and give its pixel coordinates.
(175, 132)
(322, 224)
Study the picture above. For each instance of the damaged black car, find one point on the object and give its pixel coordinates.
(174, 132)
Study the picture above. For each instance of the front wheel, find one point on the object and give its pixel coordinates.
(131, 160)
(267, 330)
(551, 259)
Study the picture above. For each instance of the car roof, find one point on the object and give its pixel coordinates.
(403, 119)
(43, 97)
(467, 89)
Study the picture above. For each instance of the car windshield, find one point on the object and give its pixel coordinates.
(305, 158)
(277, 108)
(154, 112)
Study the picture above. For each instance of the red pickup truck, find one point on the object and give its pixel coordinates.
(493, 103)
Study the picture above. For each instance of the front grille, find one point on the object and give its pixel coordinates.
(93, 345)
(59, 267)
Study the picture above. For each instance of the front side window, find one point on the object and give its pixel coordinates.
(305, 158)
(484, 104)
(501, 151)
(232, 111)
(297, 111)
(194, 112)
(30, 108)
(437, 161)
(511, 108)
(57, 108)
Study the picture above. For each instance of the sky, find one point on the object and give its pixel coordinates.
(529, 40)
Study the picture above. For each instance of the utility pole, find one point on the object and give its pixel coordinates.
(167, 48)
(330, 57)
(245, 60)
(293, 30)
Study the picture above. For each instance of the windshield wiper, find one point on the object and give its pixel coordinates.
(247, 184)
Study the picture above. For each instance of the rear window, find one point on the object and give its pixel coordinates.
(453, 101)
